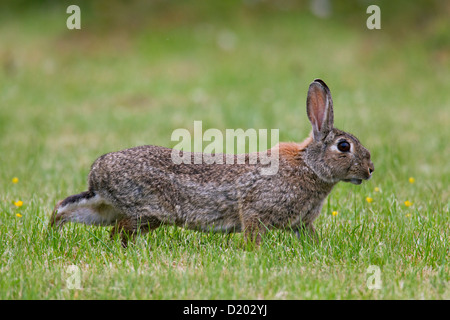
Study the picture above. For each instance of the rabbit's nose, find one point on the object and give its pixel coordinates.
(371, 168)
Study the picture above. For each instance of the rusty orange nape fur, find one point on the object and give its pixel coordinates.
(290, 150)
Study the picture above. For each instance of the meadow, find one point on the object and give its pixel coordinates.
(132, 75)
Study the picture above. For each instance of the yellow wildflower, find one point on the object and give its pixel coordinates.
(18, 215)
(408, 215)
(369, 199)
(15, 180)
(411, 180)
(377, 189)
(18, 203)
(408, 203)
(335, 213)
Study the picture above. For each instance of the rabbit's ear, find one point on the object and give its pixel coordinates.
(319, 107)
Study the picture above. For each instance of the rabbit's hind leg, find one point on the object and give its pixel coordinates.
(86, 207)
(128, 227)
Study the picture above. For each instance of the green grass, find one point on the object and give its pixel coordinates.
(67, 97)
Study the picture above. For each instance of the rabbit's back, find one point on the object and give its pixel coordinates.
(144, 181)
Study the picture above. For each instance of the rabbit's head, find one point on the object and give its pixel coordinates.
(334, 155)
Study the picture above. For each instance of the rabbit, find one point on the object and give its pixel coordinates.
(141, 188)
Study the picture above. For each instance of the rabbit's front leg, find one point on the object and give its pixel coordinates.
(306, 226)
(253, 233)
(129, 226)
(253, 228)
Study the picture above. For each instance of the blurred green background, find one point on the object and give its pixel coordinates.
(137, 70)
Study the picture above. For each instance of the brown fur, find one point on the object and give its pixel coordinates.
(291, 150)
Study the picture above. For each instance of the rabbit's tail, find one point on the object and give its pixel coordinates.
(86, 207)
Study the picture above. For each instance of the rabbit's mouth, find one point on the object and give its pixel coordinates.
(354, 181)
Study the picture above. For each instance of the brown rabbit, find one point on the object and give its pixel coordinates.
(142, 188)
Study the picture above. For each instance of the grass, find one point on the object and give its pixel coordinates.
(67, 97)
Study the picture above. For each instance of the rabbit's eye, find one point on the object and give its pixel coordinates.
(343, 146)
